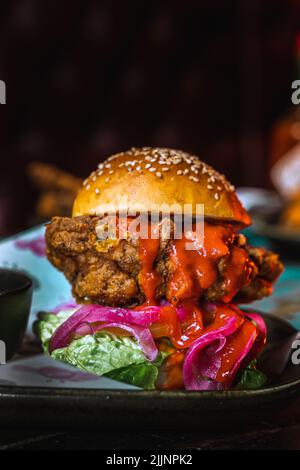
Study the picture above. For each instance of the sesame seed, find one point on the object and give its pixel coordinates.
(179, 172)
(110, 172)
(100, 166)
(158, 174)
(138, 168)
(165, 157)
(97, 191)
(108, 165)
(85, 182)
(94, 178)
(217, 196)
(88, 187)
(106, 180)
(99, 173)
(210, 187)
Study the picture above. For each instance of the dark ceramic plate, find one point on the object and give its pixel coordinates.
(141, 410)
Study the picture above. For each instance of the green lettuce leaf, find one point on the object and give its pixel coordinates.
(47, 323)
(117, 357)
(251, 378)
(101, 353)
(141, 375)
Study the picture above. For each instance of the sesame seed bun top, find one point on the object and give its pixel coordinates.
(141, 178)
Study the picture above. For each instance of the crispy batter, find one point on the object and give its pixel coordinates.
(95, 276)
(269, 267)
(110, 275)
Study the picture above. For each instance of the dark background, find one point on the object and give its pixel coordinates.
(88, 78)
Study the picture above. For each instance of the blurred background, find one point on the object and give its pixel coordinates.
(89, 78)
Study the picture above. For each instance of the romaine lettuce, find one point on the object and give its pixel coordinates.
(101, 353)
(118, 357)
(141, 375)
(47, 323)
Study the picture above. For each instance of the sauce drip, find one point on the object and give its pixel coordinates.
(148, 251)
(149, 277)
(237, 272)
(193, 272)
(227, 359)
(213, 261)
(196, 270)
(230, 354)
(181, 332)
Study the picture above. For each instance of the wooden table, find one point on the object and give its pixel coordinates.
(281, 432)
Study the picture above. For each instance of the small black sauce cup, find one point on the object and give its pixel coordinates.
(15, 302)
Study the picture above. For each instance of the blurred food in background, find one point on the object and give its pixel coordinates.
(274, 218)
(57, 189)
(285, 160)
(285, 175)
(290, 216)
(285, 133)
